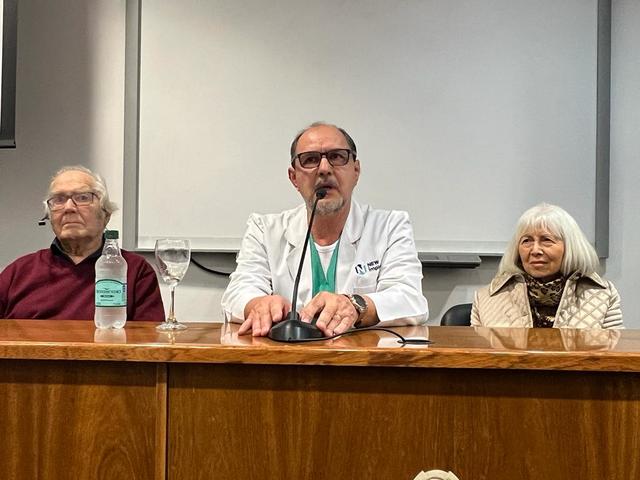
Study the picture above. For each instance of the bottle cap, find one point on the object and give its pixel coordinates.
(111, 234)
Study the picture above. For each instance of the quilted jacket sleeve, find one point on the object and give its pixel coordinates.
(613, 317)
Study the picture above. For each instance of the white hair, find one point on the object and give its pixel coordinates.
(99, 185)
(579, 254)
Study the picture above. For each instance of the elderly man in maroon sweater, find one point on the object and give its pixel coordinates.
(58, 282)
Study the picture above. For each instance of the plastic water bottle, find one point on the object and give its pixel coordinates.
(111, 285)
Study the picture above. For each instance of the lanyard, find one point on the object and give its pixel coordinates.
(322, 282)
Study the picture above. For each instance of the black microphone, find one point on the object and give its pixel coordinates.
(43, 221)
(292, 329)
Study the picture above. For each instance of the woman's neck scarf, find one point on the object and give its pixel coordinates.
(544, 298)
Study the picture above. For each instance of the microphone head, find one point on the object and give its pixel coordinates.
(321, 193)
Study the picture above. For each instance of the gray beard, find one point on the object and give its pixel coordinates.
(327, 207)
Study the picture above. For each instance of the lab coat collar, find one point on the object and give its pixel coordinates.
(297, 226)
(349, 238)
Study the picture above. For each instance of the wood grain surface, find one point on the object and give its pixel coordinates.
(81, 420)
(451, 347)
(294, 422)
(76, 402)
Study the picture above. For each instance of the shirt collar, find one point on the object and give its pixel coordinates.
(57, 250)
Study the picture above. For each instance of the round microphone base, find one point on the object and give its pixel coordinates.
(294, 330)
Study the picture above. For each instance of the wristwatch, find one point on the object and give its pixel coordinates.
(360, 304)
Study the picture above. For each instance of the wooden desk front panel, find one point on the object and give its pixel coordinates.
(82, 420)
(296, 422)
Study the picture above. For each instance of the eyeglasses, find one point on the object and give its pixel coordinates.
(336, 158)
(80, 199)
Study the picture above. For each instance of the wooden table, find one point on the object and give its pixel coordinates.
(204, 403)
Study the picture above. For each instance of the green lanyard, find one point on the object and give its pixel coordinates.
(322, 282)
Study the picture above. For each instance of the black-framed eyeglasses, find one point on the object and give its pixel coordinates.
(80, 199)
(337, 157)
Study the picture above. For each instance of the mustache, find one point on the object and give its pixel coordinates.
(325, 184)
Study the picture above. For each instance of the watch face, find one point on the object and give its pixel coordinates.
(360, 301)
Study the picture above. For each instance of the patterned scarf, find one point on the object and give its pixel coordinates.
(544, 298)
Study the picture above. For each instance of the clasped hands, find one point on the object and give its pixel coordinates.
(336, 313)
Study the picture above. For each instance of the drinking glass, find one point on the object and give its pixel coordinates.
(172, 260)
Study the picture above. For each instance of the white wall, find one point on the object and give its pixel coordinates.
(623, 265)
(70, 109)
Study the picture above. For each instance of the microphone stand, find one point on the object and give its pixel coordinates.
(292, 329)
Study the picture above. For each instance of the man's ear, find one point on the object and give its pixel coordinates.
(292, 177)
(356, 167)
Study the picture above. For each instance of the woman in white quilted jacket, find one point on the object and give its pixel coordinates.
(547, 278)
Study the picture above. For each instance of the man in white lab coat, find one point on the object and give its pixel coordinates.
(361, 267)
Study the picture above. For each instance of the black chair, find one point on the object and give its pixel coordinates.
(458, 315)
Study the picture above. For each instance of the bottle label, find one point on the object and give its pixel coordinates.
(111, 293)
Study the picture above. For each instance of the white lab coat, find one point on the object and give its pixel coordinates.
(377, 258)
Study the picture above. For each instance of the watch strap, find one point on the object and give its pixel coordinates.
(360, 304)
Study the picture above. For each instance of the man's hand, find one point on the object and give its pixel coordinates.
(337, 313)
(262, 312)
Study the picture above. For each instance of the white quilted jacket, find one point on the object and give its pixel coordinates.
(587, 302)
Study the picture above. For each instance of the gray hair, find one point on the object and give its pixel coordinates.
(579, 254)
(99, 185)
(347, 137)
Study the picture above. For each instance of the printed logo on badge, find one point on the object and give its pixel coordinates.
(363, 268)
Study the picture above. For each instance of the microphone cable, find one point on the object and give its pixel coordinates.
(401, 340)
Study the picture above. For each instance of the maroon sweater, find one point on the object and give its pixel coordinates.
(47, 284)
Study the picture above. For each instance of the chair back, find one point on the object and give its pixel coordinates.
(458, 315)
